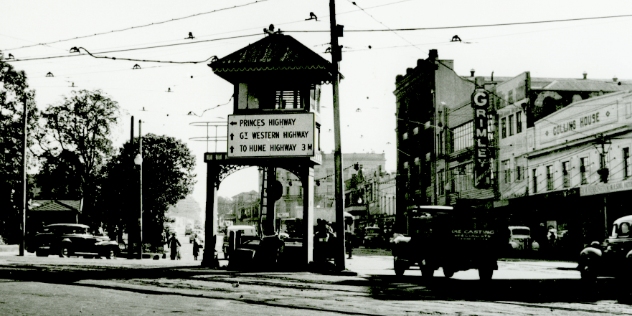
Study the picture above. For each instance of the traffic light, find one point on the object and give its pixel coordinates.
(356, 166)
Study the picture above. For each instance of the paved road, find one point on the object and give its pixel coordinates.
(77, 286)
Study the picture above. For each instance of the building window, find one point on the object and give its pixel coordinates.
(549, 178)
(441, 188)
(441, 142)
(583, 169)
(534, 177)
(507, 171)
(511, 124)
(519, 173)
(503, 127)
(463, 137)
(518, 122)
(566, 174)
(626, 162)
(461, 178)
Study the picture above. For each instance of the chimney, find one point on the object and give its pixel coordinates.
(472, 72)
(585, 74)
(615, 79)
(433, 55)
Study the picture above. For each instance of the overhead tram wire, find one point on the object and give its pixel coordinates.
(467, 26)
(378, 21)
(138, 26)
(139, 48)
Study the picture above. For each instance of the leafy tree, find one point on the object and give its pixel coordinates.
(167, 178)
(76, 143)
(14, 94)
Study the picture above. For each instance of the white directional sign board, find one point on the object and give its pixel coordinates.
(271, 135)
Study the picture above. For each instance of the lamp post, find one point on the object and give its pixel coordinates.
(138, 160)
(24, 202)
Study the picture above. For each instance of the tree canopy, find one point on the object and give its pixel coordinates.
(14, 94)
(168, 177)
(76, 139)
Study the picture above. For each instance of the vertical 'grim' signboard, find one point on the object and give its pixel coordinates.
(480, 102)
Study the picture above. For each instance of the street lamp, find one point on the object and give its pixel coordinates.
(138, 160)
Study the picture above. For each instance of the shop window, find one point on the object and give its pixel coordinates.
(565, 174)
(511, 124)
(549, 178)
(534, 179)
(518, 122)
(503, 127)
(583, 170)
(626, 162)
(461, 178)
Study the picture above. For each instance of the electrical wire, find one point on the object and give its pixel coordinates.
(138, 48)
(467, 26)
(138, 26)
(394, 32)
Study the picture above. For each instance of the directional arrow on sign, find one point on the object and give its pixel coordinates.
(231, 149)
(233, 123)
(231, 136)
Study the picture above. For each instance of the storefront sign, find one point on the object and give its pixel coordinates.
(480, 103)
(578, 123)
(605, 188)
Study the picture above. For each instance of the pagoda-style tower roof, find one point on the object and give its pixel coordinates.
(273, 57)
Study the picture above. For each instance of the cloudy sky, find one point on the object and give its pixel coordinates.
(374, 53)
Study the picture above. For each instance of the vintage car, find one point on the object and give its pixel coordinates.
(520, 239)
(453, 239)
(73, 240)
(372, 237)
(231, 238)
(609, 257)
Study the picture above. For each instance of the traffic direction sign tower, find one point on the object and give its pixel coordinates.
(275, 123)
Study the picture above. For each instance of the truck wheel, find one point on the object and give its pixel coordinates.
(399, 268)
(447, 272)
(485, 273)
(426, 272)
(588, 274)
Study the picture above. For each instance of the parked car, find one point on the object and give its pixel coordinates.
(188, 230)
(608, 257)
(73, 240)
(520, 239)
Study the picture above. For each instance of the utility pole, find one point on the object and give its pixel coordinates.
(24, 202)
(339, 257)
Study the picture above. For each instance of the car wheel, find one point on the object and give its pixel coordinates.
(41, 253)
(485, 274)
(448, 273)
(110, 253)
(64, 252)
(588, 274)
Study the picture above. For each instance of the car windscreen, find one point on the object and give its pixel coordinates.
(521, 231)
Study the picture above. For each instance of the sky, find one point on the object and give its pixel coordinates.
(374, 54)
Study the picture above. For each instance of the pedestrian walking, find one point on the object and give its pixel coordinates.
(196, 248)
(349, 243)
(174, 243)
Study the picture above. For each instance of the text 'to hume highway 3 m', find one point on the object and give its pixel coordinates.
(271, 135)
